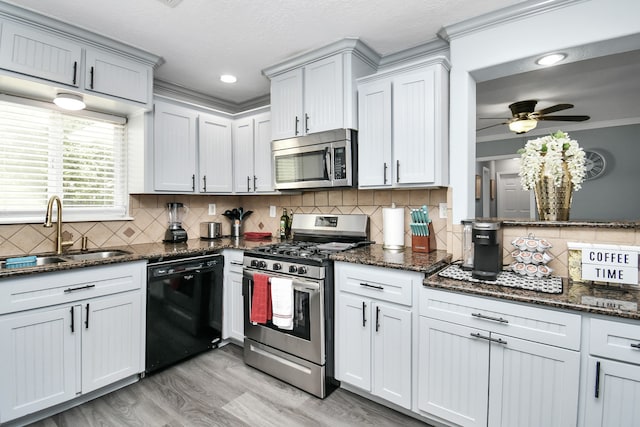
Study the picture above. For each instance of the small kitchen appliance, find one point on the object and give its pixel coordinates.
(487, 248)
(467, 244)
(210, 230)
(175, 233)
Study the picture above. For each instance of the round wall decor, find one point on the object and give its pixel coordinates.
(595, 164)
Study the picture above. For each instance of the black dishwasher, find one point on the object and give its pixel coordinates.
(184, 309)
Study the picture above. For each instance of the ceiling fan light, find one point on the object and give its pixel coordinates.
(69, 101)
(522, 126)
(228, 78)
(551, 59)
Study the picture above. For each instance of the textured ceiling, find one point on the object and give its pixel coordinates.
(201, 39)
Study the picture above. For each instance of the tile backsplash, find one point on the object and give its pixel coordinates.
(150, 217)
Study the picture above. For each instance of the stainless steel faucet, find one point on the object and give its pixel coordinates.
(47, 223)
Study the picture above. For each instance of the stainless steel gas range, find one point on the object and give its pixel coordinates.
(301, 354)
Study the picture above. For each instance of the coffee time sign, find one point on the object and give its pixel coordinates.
(609, 264)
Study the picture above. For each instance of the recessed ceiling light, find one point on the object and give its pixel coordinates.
(69, 101)
(228, 78)
(551, 59)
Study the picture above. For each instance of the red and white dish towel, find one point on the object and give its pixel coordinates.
(282, 302)
(261, 299)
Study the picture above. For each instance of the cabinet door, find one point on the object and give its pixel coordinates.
(40, 54)
(236, 324)
(374, 136)
(117, 76)
(286, 105)
(353, 341)
(243, 156)
(453, 376)
(263, 179)
(392, 354)
(532, 384)
(215, 154)
(174, 148)
(38, 360)
(323, 95)
(111, 339)
(616, 402)
(414, 127)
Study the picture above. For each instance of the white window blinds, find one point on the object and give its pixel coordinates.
(79, 157)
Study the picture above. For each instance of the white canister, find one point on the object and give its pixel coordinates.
(393, 227)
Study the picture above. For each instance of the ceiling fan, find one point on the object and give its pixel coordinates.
(524, 118)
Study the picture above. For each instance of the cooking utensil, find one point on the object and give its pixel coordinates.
(246, 214)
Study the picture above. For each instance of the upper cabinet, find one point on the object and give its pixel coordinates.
(215, 154)
(403, 135)
(252, 169)
(37, 49)
(316, 91)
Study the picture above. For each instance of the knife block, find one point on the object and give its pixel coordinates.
(424, 243)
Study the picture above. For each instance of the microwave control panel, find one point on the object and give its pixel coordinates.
(340, 163)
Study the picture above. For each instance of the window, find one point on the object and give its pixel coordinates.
(81, 157)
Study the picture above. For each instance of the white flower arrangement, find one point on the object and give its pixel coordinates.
(549, 152)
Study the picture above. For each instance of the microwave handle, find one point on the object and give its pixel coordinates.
(327, 162)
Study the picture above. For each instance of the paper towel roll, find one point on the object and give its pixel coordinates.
(393, 228)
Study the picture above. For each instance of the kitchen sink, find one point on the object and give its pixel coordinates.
(40, 261)
(94, 255)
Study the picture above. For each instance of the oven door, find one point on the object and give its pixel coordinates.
(306, 340)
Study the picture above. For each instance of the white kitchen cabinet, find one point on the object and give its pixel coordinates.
(215, 154)
(233, 323)
(174, 148)
(612, 386)
(492, 363)
(67, 334)
(117, 76)
(374, 330)
(403, 120)
(252, 170)
(41, 54)
(316, 91)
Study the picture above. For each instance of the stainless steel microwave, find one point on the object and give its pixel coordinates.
(320, 160)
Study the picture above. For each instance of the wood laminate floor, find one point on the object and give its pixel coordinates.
(217, 389)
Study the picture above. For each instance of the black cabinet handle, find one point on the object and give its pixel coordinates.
(377, 318)
(86, 320)
(297, 121)
(73, 325)
(494, 319)
(248, 183)
(372, 286)
(306, 123)
(597, 391)
(397, 170)
(635, 346)
(193, 182)
(75, 71)
(255, 178)
(385, 172)
(79, 288)
(204, 183)
(91, 73)
(364, 319)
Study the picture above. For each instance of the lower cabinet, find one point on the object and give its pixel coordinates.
(612, 386)
(491, 367)
(50, 355)
(374, 327)
(233, 327)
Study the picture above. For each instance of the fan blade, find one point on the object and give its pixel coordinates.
(487, 127)
(564, 118)
(554, 108)
(494, 118)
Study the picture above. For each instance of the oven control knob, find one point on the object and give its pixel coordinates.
(254, 263)
(302, 270)
(277, 266)
(262, 264)
(293, 269)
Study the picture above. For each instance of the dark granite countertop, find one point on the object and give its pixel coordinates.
(146, 251)
(571, 298)
(523, 222)
(404, 259)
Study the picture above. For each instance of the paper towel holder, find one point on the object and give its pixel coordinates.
(396, 242)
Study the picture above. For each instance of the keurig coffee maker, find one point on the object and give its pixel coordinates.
(487, 247)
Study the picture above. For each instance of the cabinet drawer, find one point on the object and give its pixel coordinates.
(530, 323)
(233, 259)
(383, 284)
(46, 289)
(615, 340)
